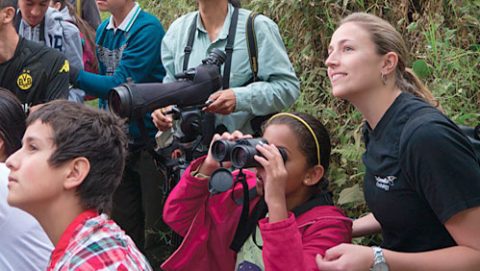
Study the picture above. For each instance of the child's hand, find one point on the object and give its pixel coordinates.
(274, 176)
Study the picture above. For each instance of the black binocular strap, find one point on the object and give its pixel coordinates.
(242, 227)
(247, 227)
(228, 47)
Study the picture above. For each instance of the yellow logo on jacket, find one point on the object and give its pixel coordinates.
(24, 80)
(65, 68)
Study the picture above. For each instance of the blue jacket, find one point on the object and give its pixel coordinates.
(130, 51)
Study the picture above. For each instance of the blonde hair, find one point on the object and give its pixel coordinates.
(387, 39)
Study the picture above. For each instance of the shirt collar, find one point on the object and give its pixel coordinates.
(226, 23)
(128, 21)
(68, 235)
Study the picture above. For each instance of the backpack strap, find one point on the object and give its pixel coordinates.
(473, 135)
(42, 31)
(17, 21)
(256, 122)
(79, 8)
(252, 45)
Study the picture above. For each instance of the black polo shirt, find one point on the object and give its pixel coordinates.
(420, 171)
(36, 74)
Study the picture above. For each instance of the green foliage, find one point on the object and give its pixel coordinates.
(421, 68)
(446, 54)
(168, 10)
(443, 37)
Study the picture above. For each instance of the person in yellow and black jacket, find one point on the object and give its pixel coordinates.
(35, 73)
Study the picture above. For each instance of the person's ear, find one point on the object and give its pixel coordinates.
(77, 171)
(3, 155)
(9, 15)
(314, 175)
(390, 62)
(56, 5)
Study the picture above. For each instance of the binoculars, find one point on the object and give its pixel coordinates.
(241, 152)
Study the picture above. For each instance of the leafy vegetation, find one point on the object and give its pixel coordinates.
(444, 41)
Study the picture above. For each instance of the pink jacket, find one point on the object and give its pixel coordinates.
(208, 224)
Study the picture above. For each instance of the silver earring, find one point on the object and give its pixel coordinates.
(384, 78)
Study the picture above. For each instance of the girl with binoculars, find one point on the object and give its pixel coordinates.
(291, 216)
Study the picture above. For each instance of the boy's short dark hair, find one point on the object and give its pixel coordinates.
(99, 136)
(8, 3)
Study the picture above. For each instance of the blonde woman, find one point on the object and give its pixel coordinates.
(422, 179)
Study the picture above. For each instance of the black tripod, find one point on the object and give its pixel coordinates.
(193, 132)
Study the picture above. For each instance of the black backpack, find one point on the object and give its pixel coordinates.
(473, 134)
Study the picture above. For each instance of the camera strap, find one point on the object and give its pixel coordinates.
(191, 38)
(257, 121)
(228, 48)
(246, 226)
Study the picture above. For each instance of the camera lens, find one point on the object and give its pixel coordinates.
(120, 100)
(216, 57)
(114, 103)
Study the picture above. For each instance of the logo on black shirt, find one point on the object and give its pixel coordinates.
(65, 68)
(24, 80)
(385, 182)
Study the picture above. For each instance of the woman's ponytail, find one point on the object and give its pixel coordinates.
(409, 82)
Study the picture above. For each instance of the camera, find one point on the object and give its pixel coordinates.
(241, 152)
(192, 88)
